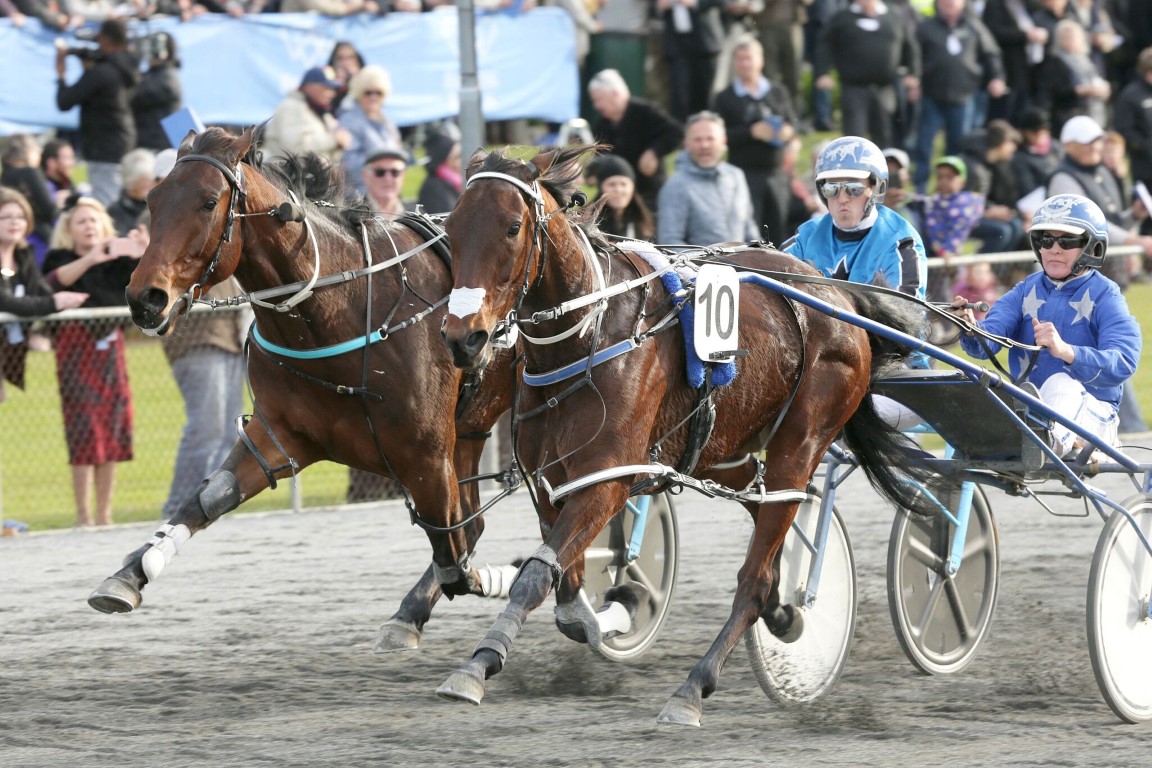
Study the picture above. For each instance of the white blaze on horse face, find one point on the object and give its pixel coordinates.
(465, 301)
(163, 546)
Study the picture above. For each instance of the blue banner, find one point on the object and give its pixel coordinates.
(235, 71)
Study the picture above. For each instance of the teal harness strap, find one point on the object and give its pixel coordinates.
(313, 354)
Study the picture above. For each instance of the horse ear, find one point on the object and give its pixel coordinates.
(243, 144)
(544, 160)
(186, 142)
(477, 158)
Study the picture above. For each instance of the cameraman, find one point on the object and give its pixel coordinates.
(104, 93)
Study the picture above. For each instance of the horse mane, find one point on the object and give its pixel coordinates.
(561, 173)
(318, 185)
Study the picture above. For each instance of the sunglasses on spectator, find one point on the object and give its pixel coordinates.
(382, 172)
(1067, 242)
(830, 189)
(372, 93)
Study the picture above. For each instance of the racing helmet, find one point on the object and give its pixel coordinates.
(854, 157)
(1076, 215)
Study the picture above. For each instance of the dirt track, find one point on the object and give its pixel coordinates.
(254, 648)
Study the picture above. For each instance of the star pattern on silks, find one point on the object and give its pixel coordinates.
(1083, 307)
(1032, 304)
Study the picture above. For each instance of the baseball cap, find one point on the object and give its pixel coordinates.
(164, 163)
(955, 164)
(899, 155)
(323, 75)
(386, 152)
(1080, 130)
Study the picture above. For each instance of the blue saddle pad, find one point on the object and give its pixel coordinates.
(723, 373)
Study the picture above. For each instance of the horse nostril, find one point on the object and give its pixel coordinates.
(154, 300)
(475, 342)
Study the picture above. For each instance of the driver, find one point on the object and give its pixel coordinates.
(862, 240)
(1091, 341)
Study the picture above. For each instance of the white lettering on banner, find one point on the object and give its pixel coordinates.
(465, 301)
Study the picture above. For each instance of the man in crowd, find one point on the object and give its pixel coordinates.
(383, 177)
(706, 200)
(104, 94)
(304, 121)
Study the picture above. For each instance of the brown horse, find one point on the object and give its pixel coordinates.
(804, 379)
(346, 363)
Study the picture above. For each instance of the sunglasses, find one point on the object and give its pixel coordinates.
(830, 189)
(1067, 242)
(372, 93)
(382, 172)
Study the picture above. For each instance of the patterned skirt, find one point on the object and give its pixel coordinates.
(97, 402)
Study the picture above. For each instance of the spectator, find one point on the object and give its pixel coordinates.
(57, 161)
(1091, 341)
(1000, 228)
(51, 14)
(345, 61)
(1038, 155)
(871, 49)
(692, 38)
(383, 177)
(817, 13)
(637, 130)
(624, 213)
(978, 282)
(90, 365)
(900, 196)
(23, 290)
(138, 172)
(1022, 43)
(159, 93)
(1133, 118)
(304, 121)
(949, 217)
(104, 94)
(368, 125)
(620, 45)
(706, 200)
(1070, 82)
(777, 26)
(330, 7)
(442, 186)
(803, 202)
(959, 56)
(1082, 172)
(1047, 15)
(21, 172)
(760, 120)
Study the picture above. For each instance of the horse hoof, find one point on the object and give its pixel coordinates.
(396, 635)
(794, 629)
(679, 712)
(115, 596)
(574, 631)
(463, 686)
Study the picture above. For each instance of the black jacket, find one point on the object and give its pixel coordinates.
(158, 95)
(867, 56)
(949, 78)
(643, 126)
(740, 113)
(1133, 119)
(104, 93)
(104, 283)
(36, 302)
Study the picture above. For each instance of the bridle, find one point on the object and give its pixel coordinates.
(237, 209)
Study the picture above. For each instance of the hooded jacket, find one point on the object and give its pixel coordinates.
(702, 206)
(104, 94)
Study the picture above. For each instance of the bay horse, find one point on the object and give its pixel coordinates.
(349, 367)
(804, 379)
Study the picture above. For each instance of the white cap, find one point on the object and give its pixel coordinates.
(899, 155)
(164, 163)
(1080, 130)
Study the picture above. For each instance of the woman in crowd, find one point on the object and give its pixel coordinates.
(90, 364)
(1071, 85)
(347, 61)
(364, 118)
(441, 187)
(23, 291)
(624, 213)
(21, 172)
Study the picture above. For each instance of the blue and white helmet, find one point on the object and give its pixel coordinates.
(1076, 215)
(854, 157)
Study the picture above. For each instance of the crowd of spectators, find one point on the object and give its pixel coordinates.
(1033, 97)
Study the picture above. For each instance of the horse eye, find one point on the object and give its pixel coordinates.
(210, 205)
(514, 230)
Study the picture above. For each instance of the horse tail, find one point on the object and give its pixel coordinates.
(894, 464)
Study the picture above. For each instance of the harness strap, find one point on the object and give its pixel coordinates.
(572, 369)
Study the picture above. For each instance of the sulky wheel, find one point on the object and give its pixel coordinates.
(808, 668)
(1119, 624)
(606, 565)
(941, 620)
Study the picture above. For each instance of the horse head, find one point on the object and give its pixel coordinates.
(501, 229)
(194, 242)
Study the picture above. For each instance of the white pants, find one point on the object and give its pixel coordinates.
(1067, 397)
(895, 414)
